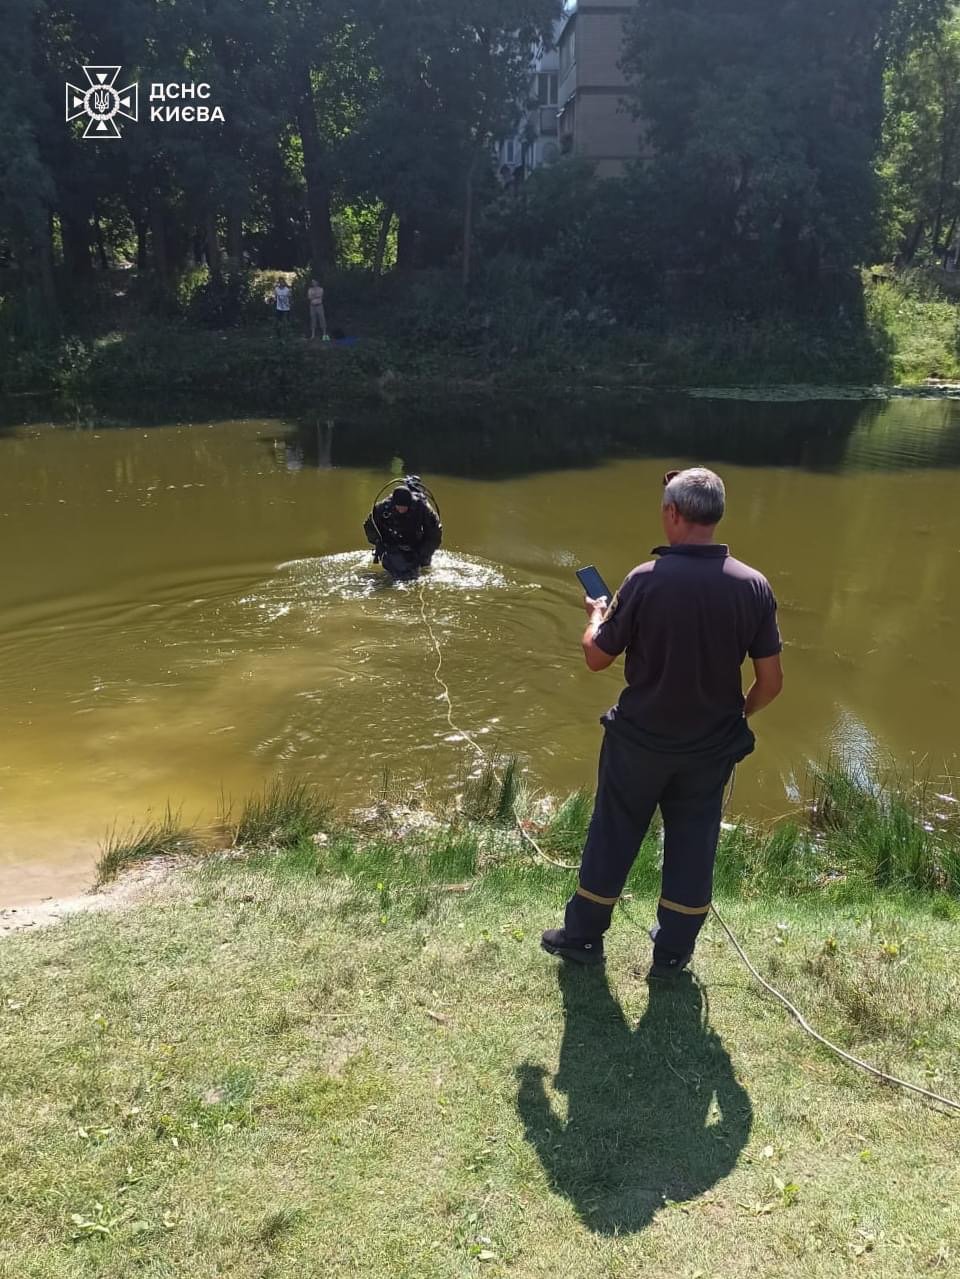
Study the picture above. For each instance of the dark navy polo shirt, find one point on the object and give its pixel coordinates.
(687, 620)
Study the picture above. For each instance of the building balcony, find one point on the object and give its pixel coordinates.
(544, 121)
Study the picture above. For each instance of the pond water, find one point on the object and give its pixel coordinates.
(188, 607)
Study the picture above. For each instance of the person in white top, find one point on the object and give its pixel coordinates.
(283, 296)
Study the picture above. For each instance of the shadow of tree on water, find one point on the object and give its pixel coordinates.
(654, 1111)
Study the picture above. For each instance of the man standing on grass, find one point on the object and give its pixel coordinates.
(687, 620)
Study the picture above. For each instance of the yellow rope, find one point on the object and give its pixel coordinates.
(445, 690)
(839, 1052)
(798, 1015)
(462, 732)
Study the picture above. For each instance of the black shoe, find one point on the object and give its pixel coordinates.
(666, 966)
(555, 942)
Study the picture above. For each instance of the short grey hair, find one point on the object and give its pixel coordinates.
(698, 495)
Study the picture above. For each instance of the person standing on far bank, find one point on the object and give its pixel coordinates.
(686, 620)
(318, 318)
(282, 295)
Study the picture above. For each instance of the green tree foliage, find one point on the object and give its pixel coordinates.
(452, 78)
(920, 166)
(765, 117)
(361, 133)
(588, 241)
(26, 183)
(394, 107)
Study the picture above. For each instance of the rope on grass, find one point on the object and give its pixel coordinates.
(874, 1071)
(795, 1012)
(849, 1058)
(477, 748)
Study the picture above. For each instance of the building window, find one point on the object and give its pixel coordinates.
(509, 149)
(547, 88)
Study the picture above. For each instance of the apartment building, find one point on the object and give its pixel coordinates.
(536, 142)
(594, 119)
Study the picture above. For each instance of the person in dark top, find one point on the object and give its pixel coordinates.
(404, 532)
(686, 621)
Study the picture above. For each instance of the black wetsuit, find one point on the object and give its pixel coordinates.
(404, 543)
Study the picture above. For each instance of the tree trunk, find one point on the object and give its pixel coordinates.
(235, 234)
(158, 243)
(480, 141)
(318, 190)
(75, 234)
(935, 233)
(912, 242)
(945, 150)
(141, 228)
(98, 240)
(468, 225)
(232, 138)
(406, 244)
(951, 233)
(43, 249)
(385, 222)
(212, 244)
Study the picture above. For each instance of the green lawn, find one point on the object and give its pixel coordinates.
(320, 1065)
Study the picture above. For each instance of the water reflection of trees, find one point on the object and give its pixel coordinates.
(494, 440)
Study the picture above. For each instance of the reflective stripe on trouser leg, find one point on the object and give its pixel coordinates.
(691, 805)
(627, 794)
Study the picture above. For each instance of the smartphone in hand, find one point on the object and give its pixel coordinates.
(594, 587)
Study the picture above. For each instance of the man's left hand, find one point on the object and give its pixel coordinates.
(595, 608)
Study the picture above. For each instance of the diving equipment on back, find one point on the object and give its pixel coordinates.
(404, 529)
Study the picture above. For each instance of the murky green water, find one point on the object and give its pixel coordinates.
(185, 609)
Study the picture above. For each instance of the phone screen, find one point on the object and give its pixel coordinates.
(593, 584)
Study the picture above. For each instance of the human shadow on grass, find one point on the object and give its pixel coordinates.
(654, 1112)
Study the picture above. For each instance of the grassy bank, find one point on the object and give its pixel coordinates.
(423, 333)
(340, 1052)
(853, 833)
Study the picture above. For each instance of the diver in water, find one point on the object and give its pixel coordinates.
(404, 530)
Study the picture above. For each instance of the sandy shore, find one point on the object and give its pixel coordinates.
(125, 891)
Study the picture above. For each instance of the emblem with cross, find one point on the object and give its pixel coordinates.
(102, 102)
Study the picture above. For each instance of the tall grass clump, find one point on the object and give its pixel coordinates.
(286, 812)
(567, 828)
(453, 856)
(752, 860)
(886, 829)
(167, 837)
(495, 793)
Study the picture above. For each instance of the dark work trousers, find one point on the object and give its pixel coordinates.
(632, 783)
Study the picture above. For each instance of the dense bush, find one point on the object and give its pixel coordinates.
(225, 301)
